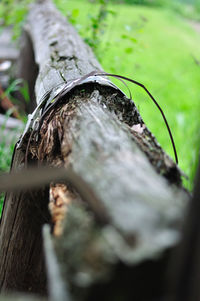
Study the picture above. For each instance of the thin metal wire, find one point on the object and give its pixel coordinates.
(153, 99)
(121, 78)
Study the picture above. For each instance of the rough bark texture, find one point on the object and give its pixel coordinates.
(142, 212)
(59, 51)
(22, 264)
(100, 134)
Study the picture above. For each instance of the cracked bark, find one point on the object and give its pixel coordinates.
(99, 133)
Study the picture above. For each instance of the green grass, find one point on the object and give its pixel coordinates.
(161, 59)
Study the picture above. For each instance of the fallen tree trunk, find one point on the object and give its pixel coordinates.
(126, 234)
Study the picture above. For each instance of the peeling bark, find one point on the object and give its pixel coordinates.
(98, 132)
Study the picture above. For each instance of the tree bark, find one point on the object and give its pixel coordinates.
(21, 254)
(127, 236)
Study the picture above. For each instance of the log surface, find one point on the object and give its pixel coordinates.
(64, 55)
(98, 132)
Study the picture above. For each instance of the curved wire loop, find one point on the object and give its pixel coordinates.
(152, 98)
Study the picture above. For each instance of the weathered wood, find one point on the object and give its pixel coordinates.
(143, 210)
(99, 133)
(64, 55)
(22, 265)
(58, 289)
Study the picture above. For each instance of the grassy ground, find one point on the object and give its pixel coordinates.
(156, 47)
